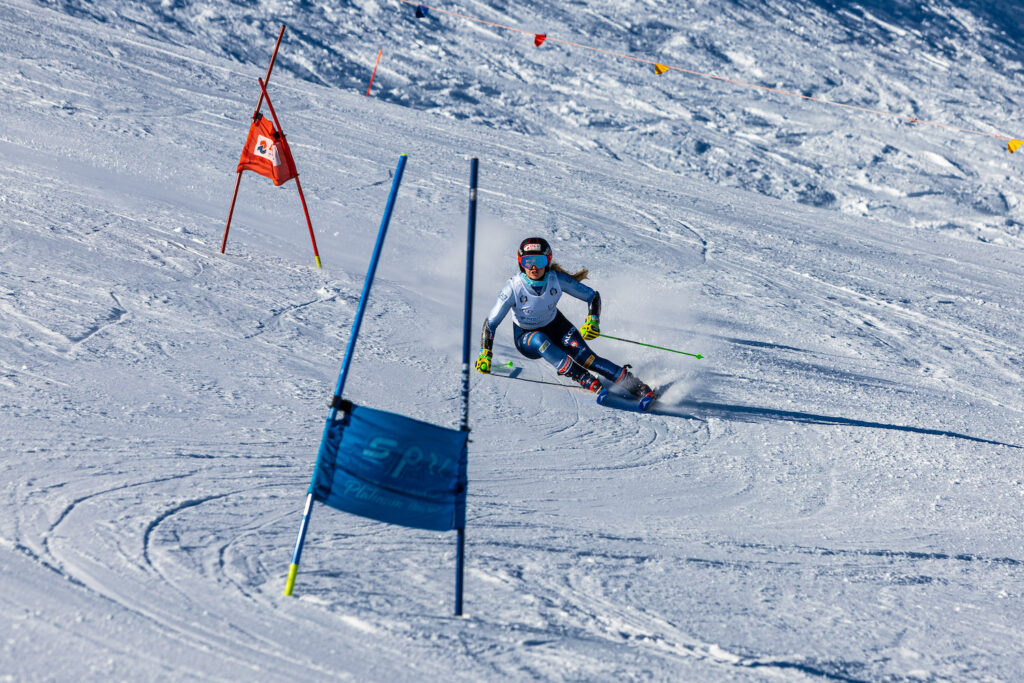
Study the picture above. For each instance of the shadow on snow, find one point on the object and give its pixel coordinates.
(724, 411)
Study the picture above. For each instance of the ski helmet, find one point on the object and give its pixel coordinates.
(534, 246)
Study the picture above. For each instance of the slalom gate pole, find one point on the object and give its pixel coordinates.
(270, 67)
(474, 165)
(460, 563)
(467, 319)
(652, 346)
(388, 209)
(259, 103)
(309, 224)
(302, 197)
(293, 569)
(231, 211)
(379, 53)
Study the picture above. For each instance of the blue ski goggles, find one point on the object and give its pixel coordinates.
(534, 260)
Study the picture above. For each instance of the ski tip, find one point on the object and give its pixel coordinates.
(601, 396)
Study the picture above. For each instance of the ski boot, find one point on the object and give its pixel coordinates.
(631, 385)
(580, 376)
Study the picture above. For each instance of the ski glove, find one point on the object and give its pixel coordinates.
(483, 361)
(591, 328)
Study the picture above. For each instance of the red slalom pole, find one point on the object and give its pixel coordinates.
(224, 241)
(238, 180)
(302, 197)
(374, 71)
(270, 67)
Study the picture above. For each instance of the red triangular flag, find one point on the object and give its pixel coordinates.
(539, 38)
(266, 152)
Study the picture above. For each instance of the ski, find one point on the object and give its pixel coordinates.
(641, 405)
(646, 401)
(618, 400)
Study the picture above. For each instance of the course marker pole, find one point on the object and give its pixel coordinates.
(293, 569)
(374, 72)
(238, 180)
(474, 165)
(298, 185)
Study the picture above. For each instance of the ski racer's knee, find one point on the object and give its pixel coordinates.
(578, 349)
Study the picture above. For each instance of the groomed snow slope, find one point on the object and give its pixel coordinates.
(953, 63)
(834, 493)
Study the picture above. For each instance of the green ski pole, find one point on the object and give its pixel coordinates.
(652, 346)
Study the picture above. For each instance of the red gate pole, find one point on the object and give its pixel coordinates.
(302, 197)
(224, 241)
(238, 180)
(379, 53)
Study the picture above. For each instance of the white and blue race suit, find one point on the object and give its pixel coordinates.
(540, 329)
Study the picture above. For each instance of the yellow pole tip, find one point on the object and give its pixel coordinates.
(290, 585)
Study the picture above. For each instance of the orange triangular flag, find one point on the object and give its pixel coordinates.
(660, 69)
(266, 152)
(539, 38)
(1014, 145)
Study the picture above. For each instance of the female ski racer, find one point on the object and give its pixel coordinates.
(540, 329)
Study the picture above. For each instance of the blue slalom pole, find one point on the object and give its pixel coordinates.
(366, 284)
(467, 322)
(336, 402)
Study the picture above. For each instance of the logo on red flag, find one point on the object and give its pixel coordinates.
(266, 152)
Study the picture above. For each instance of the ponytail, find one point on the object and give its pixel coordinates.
(579, 276)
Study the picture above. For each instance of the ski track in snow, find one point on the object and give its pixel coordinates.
(833, 493)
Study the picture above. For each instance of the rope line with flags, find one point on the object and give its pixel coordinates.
(1012, 145)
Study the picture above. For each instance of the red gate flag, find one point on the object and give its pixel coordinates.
(266, 152)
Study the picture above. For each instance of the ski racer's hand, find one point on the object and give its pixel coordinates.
(591, 329)
(483, 361)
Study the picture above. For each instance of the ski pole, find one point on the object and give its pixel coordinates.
(662, 348)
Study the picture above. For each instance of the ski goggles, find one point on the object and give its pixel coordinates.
(533, 260)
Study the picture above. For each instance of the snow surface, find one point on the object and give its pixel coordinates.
(836, 492)
(957, 63)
